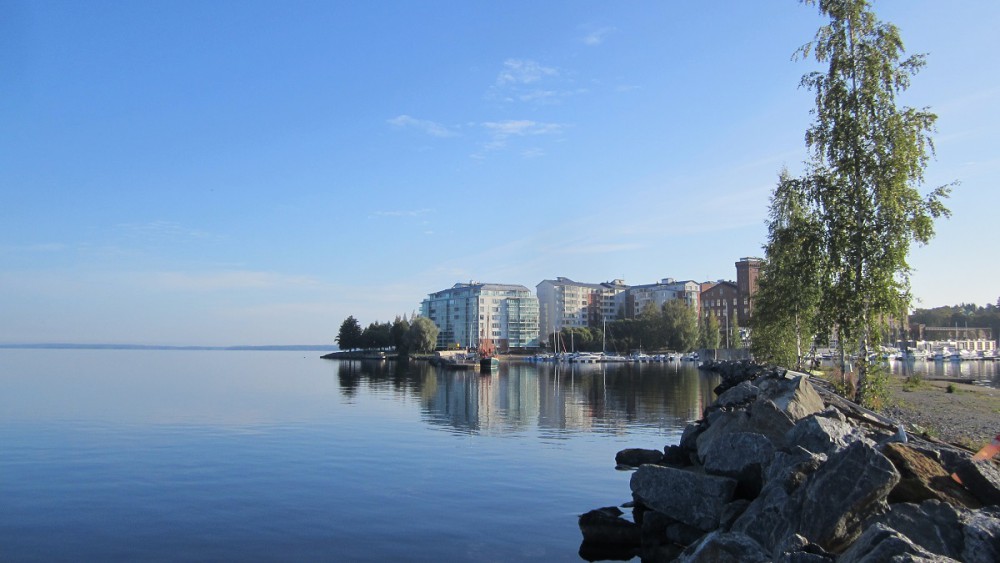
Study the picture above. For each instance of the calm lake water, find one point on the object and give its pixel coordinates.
(255, 456)
(983, 373)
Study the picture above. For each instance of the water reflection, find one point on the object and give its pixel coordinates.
(553, 398)
(981, 372)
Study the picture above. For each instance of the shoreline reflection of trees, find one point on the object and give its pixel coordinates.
(603, 398)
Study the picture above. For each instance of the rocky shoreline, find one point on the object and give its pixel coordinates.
(780, 469)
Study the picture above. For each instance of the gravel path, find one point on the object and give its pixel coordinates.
(969, 416)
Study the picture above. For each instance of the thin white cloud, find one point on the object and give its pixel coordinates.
(523, 71)
(499, 132)
(426, 126)
(598, 36)
(521, 127)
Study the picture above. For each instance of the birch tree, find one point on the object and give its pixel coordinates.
(786, 307)
(867, 160)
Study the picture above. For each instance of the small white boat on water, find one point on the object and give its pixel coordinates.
(613, 358)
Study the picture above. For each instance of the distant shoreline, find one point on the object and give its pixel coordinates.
(67, 346)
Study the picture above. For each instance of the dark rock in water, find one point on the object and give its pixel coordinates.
(922, 479)
(634, 457)
(676, 456)
(654, 527)
(881, 543)
(605, 526)
(696, 500)
(689, 438)
(725, 547)
(741, 456)
(604, 552)
(827, 506)
(682, 534)
(982, 479)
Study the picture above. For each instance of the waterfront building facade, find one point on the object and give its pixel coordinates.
(721, 300)
(469, 313)
(747, 272)
(641, 296)
(564, 303)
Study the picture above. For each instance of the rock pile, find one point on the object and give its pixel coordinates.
(782, 470)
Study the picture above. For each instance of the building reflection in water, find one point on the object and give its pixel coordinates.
(552, 398)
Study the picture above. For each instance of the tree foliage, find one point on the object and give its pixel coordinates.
(963, 315)
(867, 158)
(655, 329)
(709, 335)
(398, 335)
(786, 306)
(422, 336)
(680, 325)
(349, 337)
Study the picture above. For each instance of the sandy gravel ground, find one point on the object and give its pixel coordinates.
(970, 415)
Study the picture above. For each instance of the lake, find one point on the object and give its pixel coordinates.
(985, 373)
(262, 456)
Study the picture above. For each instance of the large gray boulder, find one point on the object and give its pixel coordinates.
(717, 424)
(634, 457)
(825, 503)
(742, 456)
(933, 525)
(792, 394)
(982, 479)
(982, 536)
(725, 547)
(824, 434)
(881, 543)
(741, 394)
(972, 536)
(768, 419)
(923, 478)
(605, 526)
(692, 498)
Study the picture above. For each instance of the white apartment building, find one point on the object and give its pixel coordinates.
(564, 303)
(469, 313)
(656, 294)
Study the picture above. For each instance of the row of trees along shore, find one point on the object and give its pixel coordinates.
(401, 335)
(839, 235)
(673, 326)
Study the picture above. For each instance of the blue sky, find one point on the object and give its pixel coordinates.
(254, 172)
